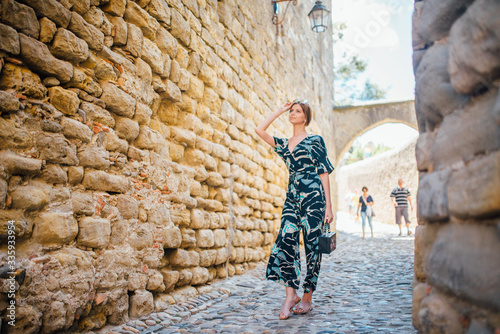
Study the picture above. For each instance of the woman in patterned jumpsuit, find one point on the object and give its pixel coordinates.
(306, 207)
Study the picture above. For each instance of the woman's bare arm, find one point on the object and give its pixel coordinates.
(325, 181)
(262, 127)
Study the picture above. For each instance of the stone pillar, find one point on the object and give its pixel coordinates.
(457, 245)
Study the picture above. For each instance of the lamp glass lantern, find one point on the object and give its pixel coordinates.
(319, 17)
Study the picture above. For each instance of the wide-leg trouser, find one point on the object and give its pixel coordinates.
(306, 213)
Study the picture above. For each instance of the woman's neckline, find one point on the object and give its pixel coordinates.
(300, 142)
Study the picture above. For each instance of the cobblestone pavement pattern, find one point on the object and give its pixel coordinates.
(364, 287)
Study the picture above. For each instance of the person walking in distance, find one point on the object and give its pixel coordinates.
(307, 206)
(400, 196)
(366, 205)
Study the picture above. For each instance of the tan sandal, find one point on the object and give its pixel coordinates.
(297, 300)
(302, 310)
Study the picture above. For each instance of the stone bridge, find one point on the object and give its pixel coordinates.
(352, 121)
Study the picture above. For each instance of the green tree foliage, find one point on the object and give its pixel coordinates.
(348, 67)
(359, 152)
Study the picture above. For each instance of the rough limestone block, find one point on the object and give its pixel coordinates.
(83, 204)
(141, 303)
(142, 114)
(222, 256)
(188, 238)
(47, 30)
(170, 278)
(418, 294)
(155, 281)
(208, 257)
(10, 40)
(200, 276)
(54, 174)
(422, 250)
(141, 238)
(67, 46)
(205, 238)
(115, 7)
(466, 133)
(423, 151)
(182, 258)
(185, 277)
(18, 165)
(436, 315)
(474, 48)
(432, 196)
(139, 17)
(159, 10)
(135, 39)
(120, 30)
(92, 156)
(151, 54)
(180, 27)
(172, 91)
(66, 101)
(166, 42)
(55, 228)
(29, 198)
(20, 17)
(55, 148)
(467, 193)
(199, 220)
(89, 33)
(94, 232)
(74, 129)
(51, 9)
(215, 179)
(436, 97)
(148, 139)
(220, 238)
(102, 181)
(117, 100)
(172, 237)
(113, 143)
(128, 207)
(22, 226)
(459, 253)
(37, 55)
(126, 128)
(185, 137)
(98, 114)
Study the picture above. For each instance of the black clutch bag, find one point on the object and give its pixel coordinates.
(327, 240)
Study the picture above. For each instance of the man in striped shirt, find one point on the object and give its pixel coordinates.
(400, 196)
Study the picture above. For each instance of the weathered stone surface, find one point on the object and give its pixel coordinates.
(98, 114)
(159, 10)
(83, 204)
(474, 46)
(47, 30)
(418, 293)
(172, 237)
(94, 157)
(117, 100)
(139, 17)
(80, 6)
(208, 257)
(29, 198)
(75, 129)
(21, 17)
(56, 149)
(126, 128)
(435, 97)
(51, 9)
(115, 7)
(67, 46)
(468, 195)
(128, 207)
(459, 253)
(180, 27)
(200, 276)
(10, 40)
(438, 16)
(205, 238)
(21, 80)
(466, 133)
(54, 174)
(38, 57)
(90, 34)
(141, 303)
(152, 55)
(93, 232)
(141, 238)
(172, 92)
(8, 102)
(432, 197)
(120, 30)
(182, 258)
(438, 316)
(170, 278)
(64, 100)
(18, 165)
(75, 175)
(135, 39)
(166, 42)
(55, 228)
(102, 181)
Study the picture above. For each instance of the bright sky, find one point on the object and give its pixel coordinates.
(394, 135)
(380, 32)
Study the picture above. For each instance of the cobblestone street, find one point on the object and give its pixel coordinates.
(364, 287)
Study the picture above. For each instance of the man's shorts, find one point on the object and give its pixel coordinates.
(402, 211)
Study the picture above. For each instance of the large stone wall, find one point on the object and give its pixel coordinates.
(129, 163)
(380, 175)
(457, 246)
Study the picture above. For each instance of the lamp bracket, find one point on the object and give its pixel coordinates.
(276, 20)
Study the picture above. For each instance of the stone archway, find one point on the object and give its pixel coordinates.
(352, 121)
